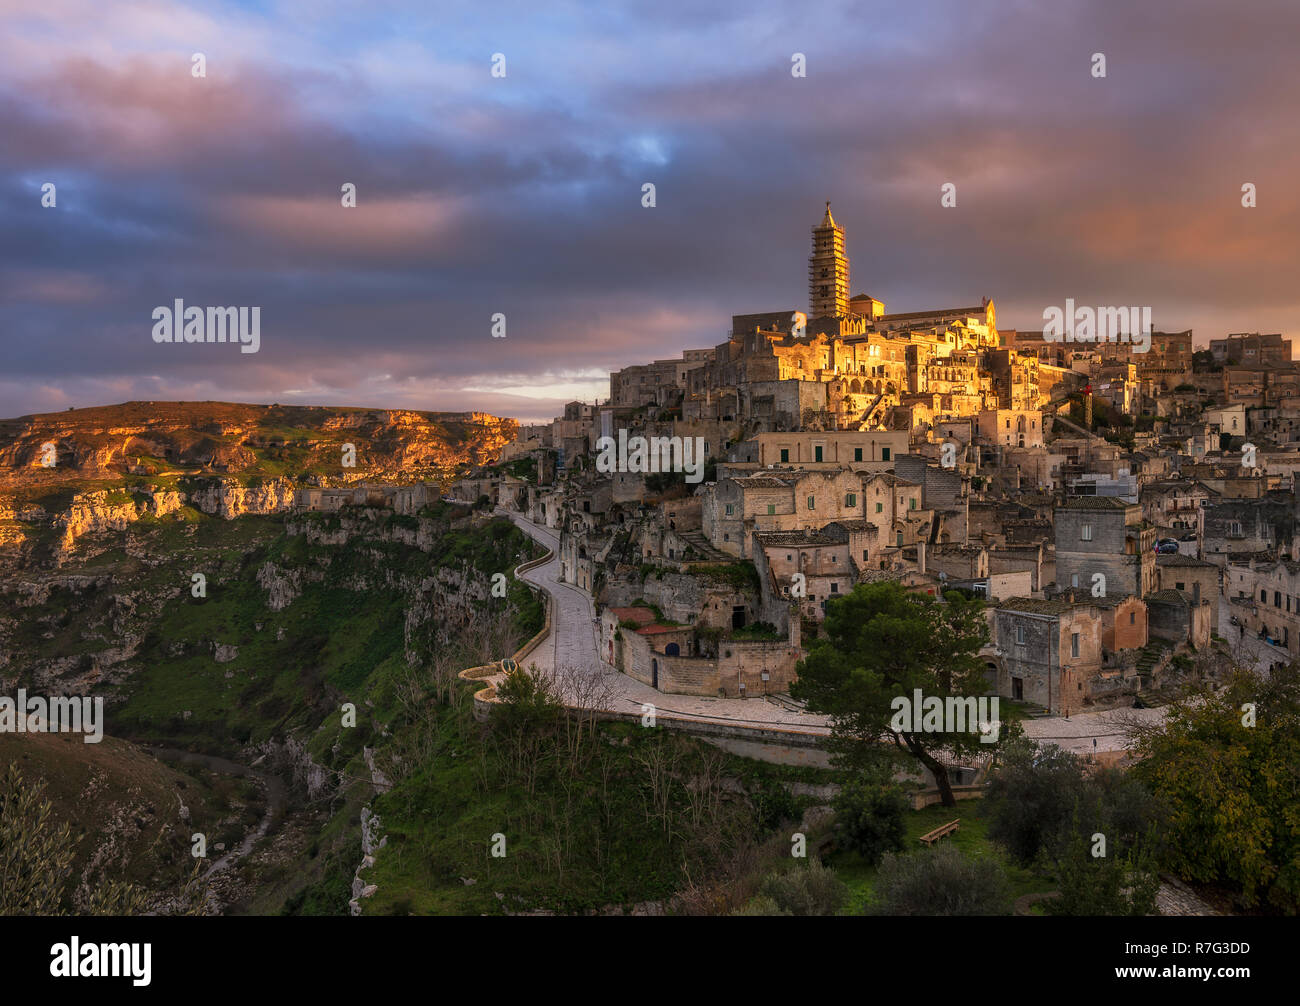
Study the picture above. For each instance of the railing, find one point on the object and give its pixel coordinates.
(484, 697)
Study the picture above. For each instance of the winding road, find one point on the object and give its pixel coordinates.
(573, 643)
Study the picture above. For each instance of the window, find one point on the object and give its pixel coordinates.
(913, 506)
(1132, 618)
(851, 500)
(1074, 644)
(771, 509)
(812, 503)
(1085, 532)
(864, 555)
(857, 454)
(785, 455)
(835, 587)
(1277, 599)
(1263, 596)
(880, 507)
(1074, 579)
(884, 454)
(1179, 585)
(731, 509)
(1020, 635)
(817, 453)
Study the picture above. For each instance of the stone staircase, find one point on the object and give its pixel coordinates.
(783, 700)
(1153, 655)
(704, 550)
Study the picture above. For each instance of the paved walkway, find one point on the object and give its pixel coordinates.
(573, 643)
(1076, 734)
(1248, 647)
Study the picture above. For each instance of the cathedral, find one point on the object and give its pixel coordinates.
(850, 366)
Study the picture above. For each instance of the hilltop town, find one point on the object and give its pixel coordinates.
(1117, 502)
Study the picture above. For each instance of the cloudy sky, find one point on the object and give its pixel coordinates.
(522, 195)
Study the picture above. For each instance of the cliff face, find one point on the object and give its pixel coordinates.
(89, 471)
(227, 498)
(195, 438)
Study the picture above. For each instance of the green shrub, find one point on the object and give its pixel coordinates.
(940, 881)
(869, 819)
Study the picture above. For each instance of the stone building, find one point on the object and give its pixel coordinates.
(778, 501)
(1244, 526)
(828, 270)
(1174, 615)
(1047, 651)
(1193, 576)
(1104, 535)
(668, 657)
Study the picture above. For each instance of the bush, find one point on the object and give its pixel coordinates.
(761, 905)
(869, 819)
(1031, 799)
(1103, 885)
(940, 881)
(810, 890)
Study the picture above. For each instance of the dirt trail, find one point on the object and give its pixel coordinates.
(277, 796)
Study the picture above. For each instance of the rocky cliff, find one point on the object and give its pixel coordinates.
(336, 445)
(67, 475)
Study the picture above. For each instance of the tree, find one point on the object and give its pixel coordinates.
(809, 890)
(941, 881)
(1031, 799)
(1093, 831)
(36, 857)
(526, 722)
(882, 643)
(1226, 763)
(869, 819)
(1103, 885)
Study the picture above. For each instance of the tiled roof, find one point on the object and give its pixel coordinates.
(1181, 560)
(636, 613)
(1181, 596)
(1038, 606)
(1095, 503)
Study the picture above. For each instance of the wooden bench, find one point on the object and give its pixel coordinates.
(930, 837)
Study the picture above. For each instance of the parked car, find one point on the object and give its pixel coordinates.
(1167, 546)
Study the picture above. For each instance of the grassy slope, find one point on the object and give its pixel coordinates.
(124, 805)
(971, 838)
(342, 641)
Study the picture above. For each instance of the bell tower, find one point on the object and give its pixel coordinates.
(828, 270)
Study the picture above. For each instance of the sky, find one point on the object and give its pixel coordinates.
(522, 194)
